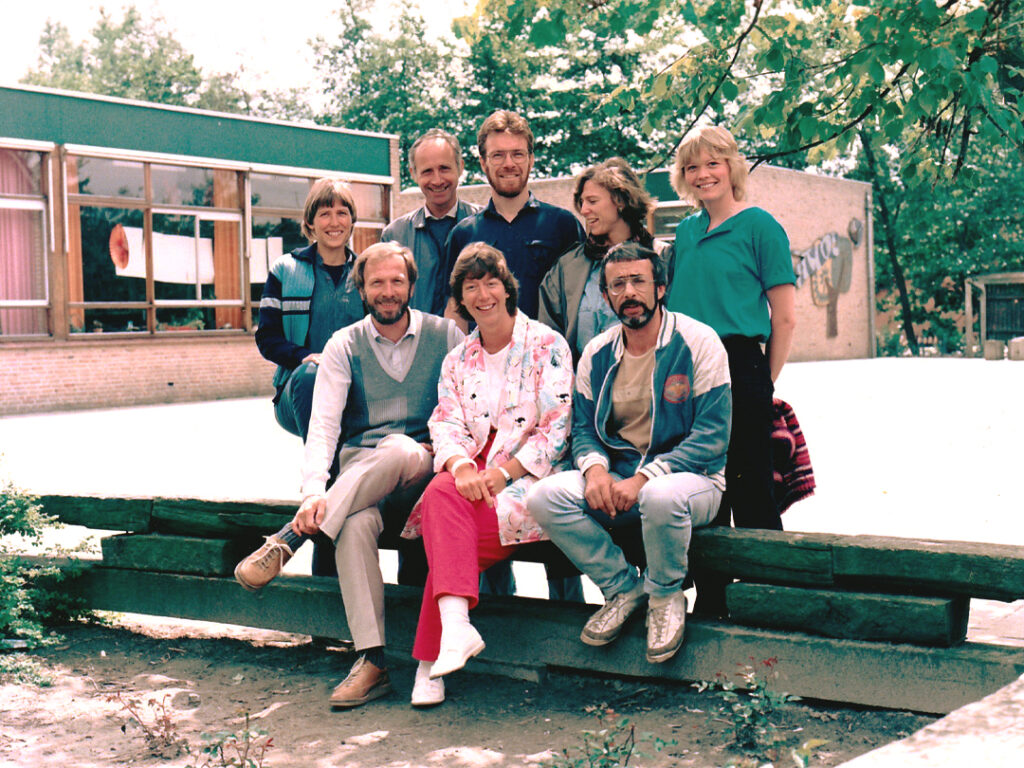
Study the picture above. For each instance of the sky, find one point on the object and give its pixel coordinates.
(260, 36)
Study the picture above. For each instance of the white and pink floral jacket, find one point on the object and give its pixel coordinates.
(533, 427)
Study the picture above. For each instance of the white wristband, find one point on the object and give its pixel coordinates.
(459, 463)
(507, 476)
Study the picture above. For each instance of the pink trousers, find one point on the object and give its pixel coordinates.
(461, 540)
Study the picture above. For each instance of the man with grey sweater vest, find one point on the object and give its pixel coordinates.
(375, 389)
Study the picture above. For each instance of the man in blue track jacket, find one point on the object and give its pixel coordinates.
(651, 417)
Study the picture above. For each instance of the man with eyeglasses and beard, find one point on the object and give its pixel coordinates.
(375, 389)
(531, 234)
(651, 418)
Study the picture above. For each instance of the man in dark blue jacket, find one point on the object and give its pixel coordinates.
(651, 417)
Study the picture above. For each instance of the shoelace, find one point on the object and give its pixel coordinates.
(659, 620)
(273, 550)
(610, 609)
(355, 669)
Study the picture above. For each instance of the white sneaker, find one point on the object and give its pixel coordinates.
(457, 647)
(426, 692)
(605, 625)
(666, 624)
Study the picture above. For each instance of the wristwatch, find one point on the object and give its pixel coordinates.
(506, 475)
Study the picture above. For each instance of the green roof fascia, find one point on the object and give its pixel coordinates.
(71, 118)
(659, 185)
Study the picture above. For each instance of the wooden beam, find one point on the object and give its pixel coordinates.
(938, 621)
(196, 517)
(108, 513)
(993, 571)
(772, 556)
(176, 554)
(866, 563)
(541, 632)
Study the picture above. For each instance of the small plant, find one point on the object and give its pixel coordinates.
(612, 745)
(750, 704)
(28, 601)
(22, 669)
(156, 721)
(246, 749)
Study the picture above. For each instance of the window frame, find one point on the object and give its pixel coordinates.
(42, 203)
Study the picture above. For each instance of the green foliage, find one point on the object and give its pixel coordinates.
(245, 749)
(611, 745)
(398, 82)
(23, 669)
(749, 704)
(28, 600)
(802, 76)
(156, 722)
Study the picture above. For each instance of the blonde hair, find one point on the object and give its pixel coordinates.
(718, 143)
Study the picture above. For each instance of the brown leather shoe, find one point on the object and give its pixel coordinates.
(364, 683)
(259, 568)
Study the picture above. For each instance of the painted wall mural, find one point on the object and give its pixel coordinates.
(828, 265)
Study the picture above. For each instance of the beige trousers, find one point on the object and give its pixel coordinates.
(354, 521)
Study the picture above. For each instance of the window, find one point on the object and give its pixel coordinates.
(24, 297)
(153, 247)
(666, 217)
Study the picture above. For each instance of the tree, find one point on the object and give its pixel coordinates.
(399, 82)
(138, 59)
(806, 75)
(931, 238)
(558, 88)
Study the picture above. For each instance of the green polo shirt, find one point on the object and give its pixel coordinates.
(721, 277)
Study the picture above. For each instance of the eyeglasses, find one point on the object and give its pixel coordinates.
(639, 283)
(518, 156)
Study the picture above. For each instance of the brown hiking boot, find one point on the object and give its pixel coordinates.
(364, 683)
(259, 568)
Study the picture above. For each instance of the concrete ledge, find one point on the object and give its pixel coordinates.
(544, 633)
(989, 732)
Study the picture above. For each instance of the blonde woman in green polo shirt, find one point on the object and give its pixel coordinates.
(733, 271)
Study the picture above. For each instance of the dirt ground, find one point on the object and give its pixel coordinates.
(209, 676)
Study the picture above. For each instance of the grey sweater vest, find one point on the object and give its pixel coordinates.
(378, 405)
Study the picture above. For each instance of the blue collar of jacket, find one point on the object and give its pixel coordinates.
(308, 254)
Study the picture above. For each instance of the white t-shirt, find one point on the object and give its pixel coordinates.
(495, 394)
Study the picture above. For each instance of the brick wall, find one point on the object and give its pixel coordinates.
(55, 376)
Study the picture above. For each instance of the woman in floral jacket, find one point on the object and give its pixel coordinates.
(501, 423)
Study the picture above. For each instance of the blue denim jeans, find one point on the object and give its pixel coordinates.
(668, 507)
(294, 406)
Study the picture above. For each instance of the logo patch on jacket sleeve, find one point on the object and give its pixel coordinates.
(677, 388)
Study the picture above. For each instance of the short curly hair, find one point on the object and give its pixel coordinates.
(624, 186)
(482, 260)
(719, 144)
(503, 121)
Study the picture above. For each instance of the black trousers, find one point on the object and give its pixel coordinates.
(749, 483)
(749, 498)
